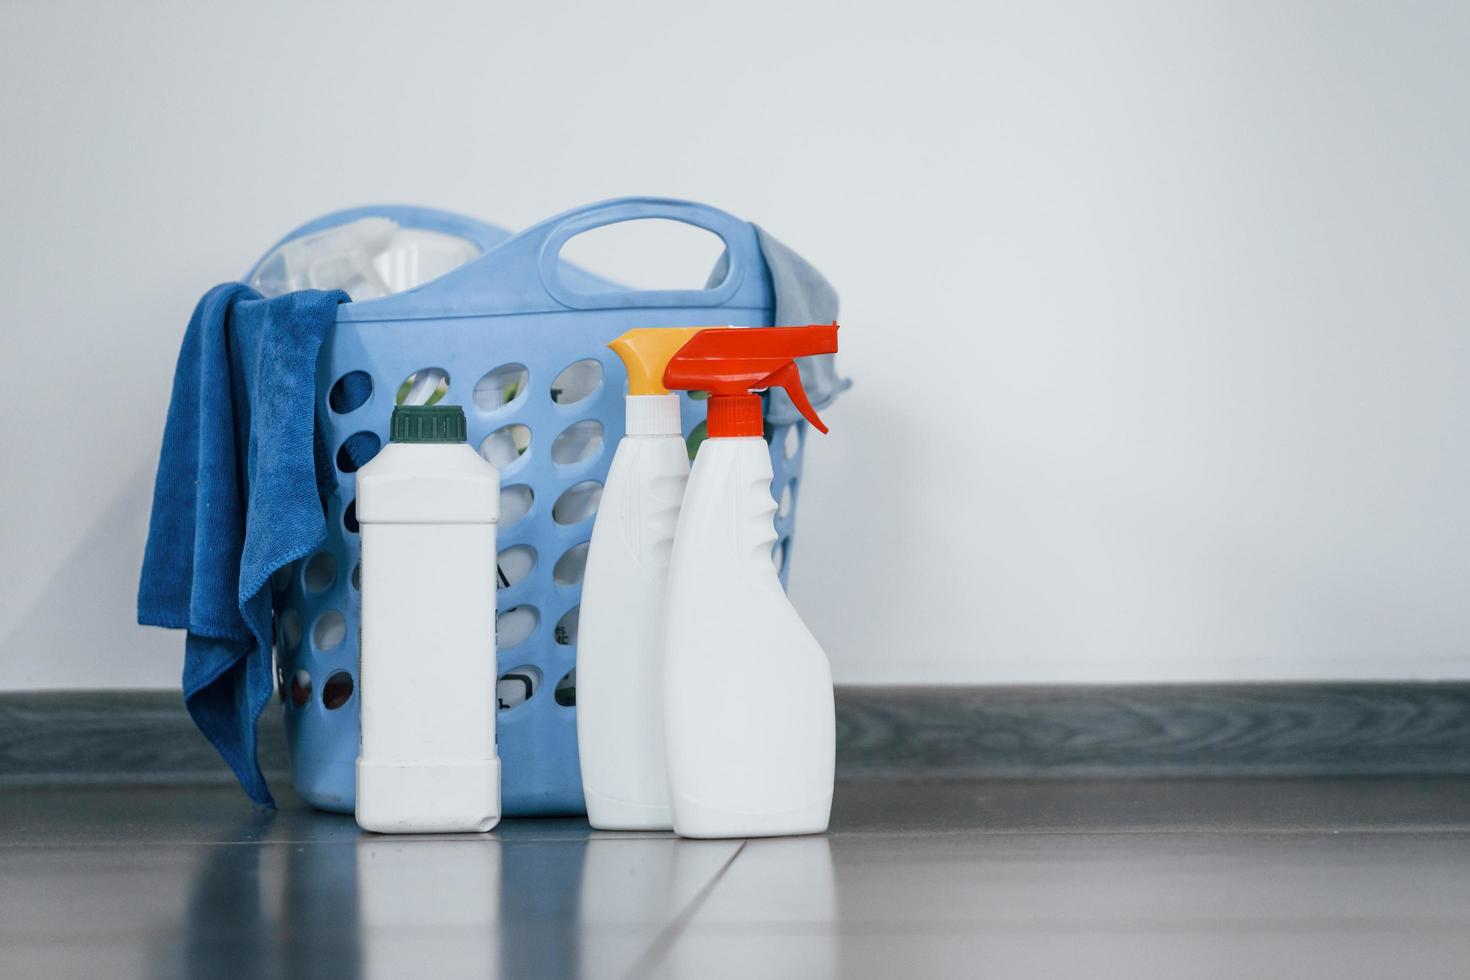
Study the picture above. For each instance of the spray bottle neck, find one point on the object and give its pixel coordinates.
(651, 415)
(735, 415)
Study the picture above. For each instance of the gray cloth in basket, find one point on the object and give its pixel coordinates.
(803, 295)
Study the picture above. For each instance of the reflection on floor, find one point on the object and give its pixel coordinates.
(1171, 878)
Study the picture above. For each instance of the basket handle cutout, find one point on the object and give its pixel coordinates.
(741, 251)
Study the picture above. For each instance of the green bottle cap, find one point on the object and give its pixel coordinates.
(427, 423)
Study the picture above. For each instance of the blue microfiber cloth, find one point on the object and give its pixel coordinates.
(242, 477)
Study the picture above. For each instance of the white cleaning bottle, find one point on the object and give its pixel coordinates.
(748, 711)
(427, 506)
(620, 663)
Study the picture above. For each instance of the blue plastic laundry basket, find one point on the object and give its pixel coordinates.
(496, 336)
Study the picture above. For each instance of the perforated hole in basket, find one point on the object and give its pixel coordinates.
(778, 555)
(350, 392)
(513, 565)
(357, 450)
(506, 445)
(578, 503)
(330, 630)
(515, 502)
(578, 441)
(320, 573)
(792, 441)
(565, 691)
(290, 630)
(572, 565)
(515, 625)
(783, 509)
(426, 386)
(337, 691)
(578, 380)
(300, 688)
(501, 386)
(517, 686)
(566, 627)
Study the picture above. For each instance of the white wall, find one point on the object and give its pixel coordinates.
(1159, 314)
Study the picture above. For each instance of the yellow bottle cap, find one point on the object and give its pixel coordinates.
(645, 353)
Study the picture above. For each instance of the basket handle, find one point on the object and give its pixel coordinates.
(741, 249)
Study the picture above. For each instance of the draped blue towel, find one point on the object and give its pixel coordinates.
(239, 494)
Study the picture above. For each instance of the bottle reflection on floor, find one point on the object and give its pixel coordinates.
(702, 908)
(552, 899)
(773, 912)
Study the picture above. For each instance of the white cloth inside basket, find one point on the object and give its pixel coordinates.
(367, 258)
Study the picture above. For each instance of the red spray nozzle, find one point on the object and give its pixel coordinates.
(732, 362)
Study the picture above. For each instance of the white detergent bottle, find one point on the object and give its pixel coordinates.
(427, 506)
(620, 704)
(749, 721)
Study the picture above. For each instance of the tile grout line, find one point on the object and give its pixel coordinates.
(666, 937)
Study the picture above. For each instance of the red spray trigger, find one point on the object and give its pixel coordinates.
(732, 362)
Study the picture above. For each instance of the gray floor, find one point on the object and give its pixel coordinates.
(1094, 878)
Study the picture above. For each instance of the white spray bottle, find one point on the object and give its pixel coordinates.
(749, 720)
(620, 704)
(427, 760)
